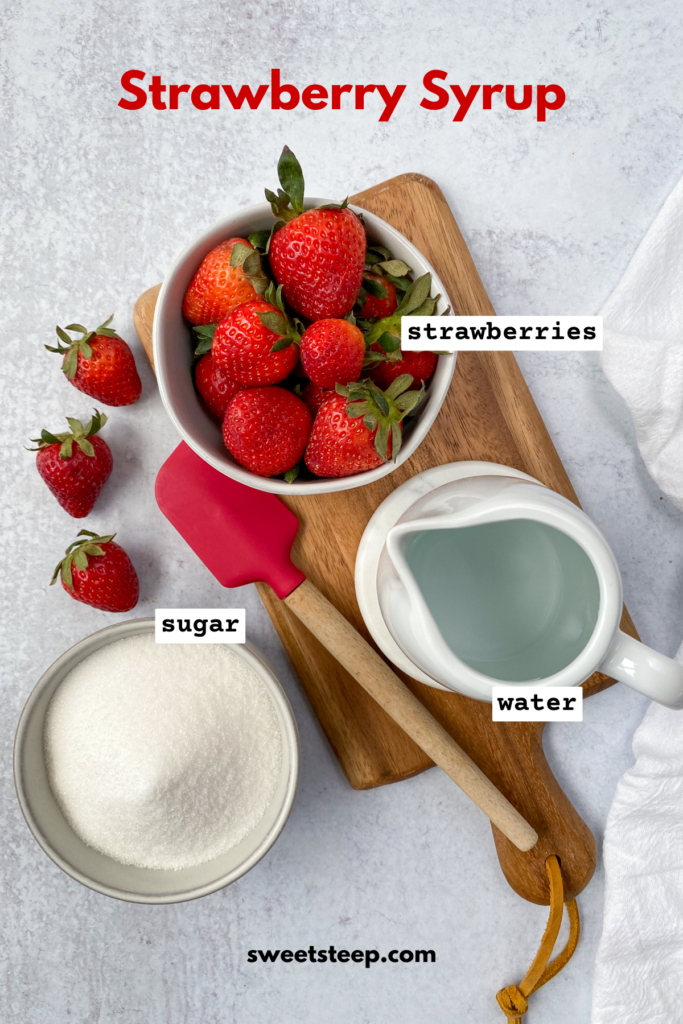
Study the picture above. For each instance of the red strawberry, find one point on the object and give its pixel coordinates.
(214, 385)
(359, 428)
(332, 352)
(100, 364)
(75, 475)
(98, 572)
(314, 396)
(376, 306)
(319, 256)
(255, 344)
(266, 430)
(230, 275)
(420, 366)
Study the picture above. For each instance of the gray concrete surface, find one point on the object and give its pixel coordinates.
(95, 203)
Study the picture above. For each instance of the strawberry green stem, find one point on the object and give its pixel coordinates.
(70, 347)
(78, 434)
(382, 411)
(77, 555)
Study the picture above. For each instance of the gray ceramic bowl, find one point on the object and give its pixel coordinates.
(173, 356)
(101, 873)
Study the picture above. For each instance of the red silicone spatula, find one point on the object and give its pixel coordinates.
(245, 536)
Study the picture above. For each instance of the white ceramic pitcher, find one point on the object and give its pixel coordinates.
(473, 575)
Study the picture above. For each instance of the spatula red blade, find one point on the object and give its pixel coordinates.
(241, 535)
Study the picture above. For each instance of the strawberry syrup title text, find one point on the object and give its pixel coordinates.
(139, 88)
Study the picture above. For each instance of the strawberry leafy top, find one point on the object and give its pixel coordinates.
(77, 434)
(204, 337)
(77, 555)
(72, 346)
(382, 411)
(380, 262)
(288, 203)
(386, 333)
(246, 257)
(278, 322)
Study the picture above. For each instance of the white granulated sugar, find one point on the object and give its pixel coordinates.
(163, 756)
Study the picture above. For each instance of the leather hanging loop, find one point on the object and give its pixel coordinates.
(514, 999)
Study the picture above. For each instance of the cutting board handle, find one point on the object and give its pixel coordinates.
(366, 666)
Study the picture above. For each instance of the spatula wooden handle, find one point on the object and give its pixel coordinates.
(374, 675)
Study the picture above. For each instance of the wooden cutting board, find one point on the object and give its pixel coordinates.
(488, 415)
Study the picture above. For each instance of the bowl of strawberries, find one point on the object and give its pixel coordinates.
(277, 344)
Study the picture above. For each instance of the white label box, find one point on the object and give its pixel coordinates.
(524, 703)
(501, 333)
(200, 625)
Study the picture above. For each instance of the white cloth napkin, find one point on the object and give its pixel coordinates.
(639, 965)
(643, 347)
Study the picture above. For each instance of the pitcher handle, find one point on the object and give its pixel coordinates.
(644, 670)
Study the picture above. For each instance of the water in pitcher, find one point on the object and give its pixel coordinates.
(517, 600)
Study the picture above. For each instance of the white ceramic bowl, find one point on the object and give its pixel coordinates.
(99, 872)
(173, 356)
